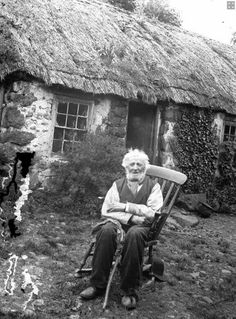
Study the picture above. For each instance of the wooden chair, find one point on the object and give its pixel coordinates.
(170, 181)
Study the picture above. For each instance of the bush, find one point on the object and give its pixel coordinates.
(88, 172)
(159, 10)
(128, 5)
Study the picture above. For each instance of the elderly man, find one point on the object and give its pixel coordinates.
(131, 203)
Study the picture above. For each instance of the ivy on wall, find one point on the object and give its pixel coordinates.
(196, 149)
(223, 190)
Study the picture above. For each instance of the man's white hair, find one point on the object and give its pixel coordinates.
(135, 154)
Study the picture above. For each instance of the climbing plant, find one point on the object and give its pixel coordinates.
(196, 149)
(223, 190)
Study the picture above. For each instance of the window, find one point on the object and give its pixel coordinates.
(72, 120)
(230, 131)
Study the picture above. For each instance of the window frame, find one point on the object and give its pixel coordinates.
(231, 123)
(69, 99)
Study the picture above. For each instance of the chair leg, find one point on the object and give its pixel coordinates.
(110, 281)
(150, 252)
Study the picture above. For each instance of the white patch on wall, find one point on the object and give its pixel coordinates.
(167, 160)
(25, 191)
(219, 124)
(170, 132)
(101, 111)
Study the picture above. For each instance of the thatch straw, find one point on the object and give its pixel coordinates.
(97, 48)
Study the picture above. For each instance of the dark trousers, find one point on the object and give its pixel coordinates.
(132, 256)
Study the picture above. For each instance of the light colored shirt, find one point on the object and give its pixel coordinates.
(152, 207)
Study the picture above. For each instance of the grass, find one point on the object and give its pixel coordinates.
(41, 248)
(184, 262)
(231, 260)
(225, 288)
(198, 241)
(185, 244)
(198, 253)
(224, 245)
(181, 275)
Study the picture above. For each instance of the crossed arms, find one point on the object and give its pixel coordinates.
(125, 212)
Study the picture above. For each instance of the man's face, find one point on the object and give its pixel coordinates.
(135, 170)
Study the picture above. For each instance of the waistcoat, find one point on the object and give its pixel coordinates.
(142, 195)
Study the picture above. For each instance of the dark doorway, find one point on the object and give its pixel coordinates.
(141, 127)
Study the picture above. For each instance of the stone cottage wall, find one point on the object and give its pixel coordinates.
(25, 131)
(116, 122)
(26, 123)
(110, 114)
(28, 118)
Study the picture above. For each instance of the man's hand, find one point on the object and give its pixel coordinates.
(117, 207)
(141, 220)
(150, 214)
(138, 220)
(141, 211)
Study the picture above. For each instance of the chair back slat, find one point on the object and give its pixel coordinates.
(167, 196)
(170, 181)
(169, 207)
(163, 185)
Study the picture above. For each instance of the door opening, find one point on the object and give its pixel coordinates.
(141, 128)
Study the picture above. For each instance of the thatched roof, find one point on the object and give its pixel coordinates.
(94, 47)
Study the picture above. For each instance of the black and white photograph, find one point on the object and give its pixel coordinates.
(117, 159)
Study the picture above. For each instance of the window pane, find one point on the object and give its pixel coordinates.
(227, 129)
(58, 133)
(71, 121)
(83, 109)
(69, 135)
(73, 108)
(62, 108)
(67, 147)
(61, 120)
(232, 131)
(82, 123)
(56, 146)
(79, 135)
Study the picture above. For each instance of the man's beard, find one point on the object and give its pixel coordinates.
(135, 177)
